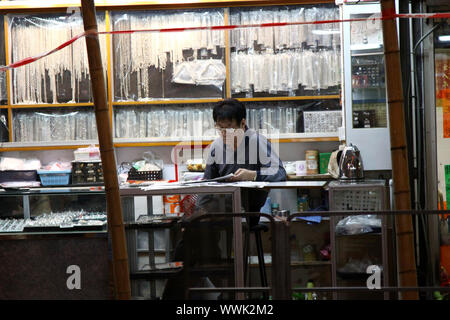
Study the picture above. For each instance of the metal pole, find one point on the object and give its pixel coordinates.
(115, 221)
(406, 261)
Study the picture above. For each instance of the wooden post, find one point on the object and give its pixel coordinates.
(281, 261)
(115, 221)
(406, 262)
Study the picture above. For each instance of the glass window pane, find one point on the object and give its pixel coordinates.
(54, 124)
(43, 204)
(368, 77)
(153, 65)
(295, 60)
(164, 121)
(62, 76)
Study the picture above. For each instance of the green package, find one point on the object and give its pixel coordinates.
(324, 158)
(447, 182)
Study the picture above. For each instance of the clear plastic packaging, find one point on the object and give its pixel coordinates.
(358, 224)
(284, 72)
(322, 121)
(153, 121)
(60, 77)
(144, 61)
(65, 124)
(281, 60)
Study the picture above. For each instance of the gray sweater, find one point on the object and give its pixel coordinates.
(254, 153)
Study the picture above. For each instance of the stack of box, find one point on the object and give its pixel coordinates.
(87, 167)
(85, 172)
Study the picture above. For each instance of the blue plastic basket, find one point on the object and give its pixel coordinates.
(54, 178)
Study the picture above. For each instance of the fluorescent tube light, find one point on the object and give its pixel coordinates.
(445, 38)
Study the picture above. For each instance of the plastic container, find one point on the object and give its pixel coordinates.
(133, 174)
(312, 161)
(54, 178)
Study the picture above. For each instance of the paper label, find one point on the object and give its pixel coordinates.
(172, 205)
(447, 182)
(446, 112)
(312, 164)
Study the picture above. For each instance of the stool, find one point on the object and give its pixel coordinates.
(256, 229)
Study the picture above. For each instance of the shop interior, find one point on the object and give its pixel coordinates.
(317, 91)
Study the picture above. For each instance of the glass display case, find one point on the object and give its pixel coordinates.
(368, 80)
(62, 124)
(185, 72)
(151, 216)
(279, 61)
(52, 233)
(61, 77)
(195, 121)
(359, 241)
(153, 65)
(159, 121)
(56, 209)
(365, 86)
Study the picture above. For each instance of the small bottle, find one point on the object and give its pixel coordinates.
(275, 209)
(309, 284)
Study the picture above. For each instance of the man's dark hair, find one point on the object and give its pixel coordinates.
(229, 109)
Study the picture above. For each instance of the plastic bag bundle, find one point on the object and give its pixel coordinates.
(60, 125)
(137, 53)
(164, 122)
(43, 81)
(358, 224)
(293, 36)
(274, 72)
(200, 72)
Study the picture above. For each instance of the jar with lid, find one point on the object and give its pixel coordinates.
(312, 161)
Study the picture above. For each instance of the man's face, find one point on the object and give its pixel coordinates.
(231, 132)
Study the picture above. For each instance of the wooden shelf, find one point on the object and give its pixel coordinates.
(34, 146)
(290, 98)
(32, 7)
(359, 235)
(300, 264)
(154, 142)
(213, 100)
(51, 105)
(154, 274)
(24, 6)
(166, 101)
(146, 251)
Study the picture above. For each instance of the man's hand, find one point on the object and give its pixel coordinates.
(244, 175)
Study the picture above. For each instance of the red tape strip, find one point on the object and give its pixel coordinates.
(387, 14)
